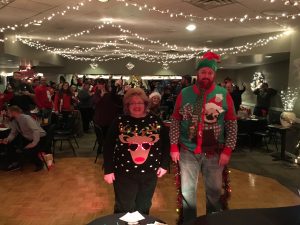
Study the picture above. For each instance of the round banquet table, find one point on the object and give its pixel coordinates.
(266, 216)
(114, 220)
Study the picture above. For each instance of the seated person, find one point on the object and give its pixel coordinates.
(28, 135)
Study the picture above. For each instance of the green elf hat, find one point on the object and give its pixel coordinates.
(209, 59)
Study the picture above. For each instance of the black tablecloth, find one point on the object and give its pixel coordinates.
(252, 125)
(114, 220)
(268, 216)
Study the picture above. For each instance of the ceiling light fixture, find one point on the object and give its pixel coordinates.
(191, 27)
(268, 56)
(103, 1)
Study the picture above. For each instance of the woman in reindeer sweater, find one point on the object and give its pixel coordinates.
(136, 153)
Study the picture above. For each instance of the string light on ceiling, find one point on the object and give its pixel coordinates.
(75, 50)
(171, 14)
(286, 2)
(231, 50)
(189, 16)
(159, 57)
(108, 57)
(49, 17)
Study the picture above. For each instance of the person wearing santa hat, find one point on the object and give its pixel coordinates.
(154, 106)
(203, 134)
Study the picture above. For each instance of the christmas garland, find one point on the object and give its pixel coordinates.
(226, 188)
(179, 208)
(224, 197)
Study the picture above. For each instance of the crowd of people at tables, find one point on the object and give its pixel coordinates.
(99, 101)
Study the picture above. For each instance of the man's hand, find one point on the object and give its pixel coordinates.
(30, 145)
(161, 172)
(175, 156)
(109, 178)
(224, 159)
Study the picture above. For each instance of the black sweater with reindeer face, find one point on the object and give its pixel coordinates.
(136, 146)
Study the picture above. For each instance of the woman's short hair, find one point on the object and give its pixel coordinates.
(131, 93)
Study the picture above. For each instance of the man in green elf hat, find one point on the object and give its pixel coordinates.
(203, 135)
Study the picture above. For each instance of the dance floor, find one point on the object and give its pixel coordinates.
(74, 193)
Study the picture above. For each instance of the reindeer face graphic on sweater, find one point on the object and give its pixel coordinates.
(139, 145)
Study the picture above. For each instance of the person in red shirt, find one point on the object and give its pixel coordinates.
(43, 99)
(63, 99)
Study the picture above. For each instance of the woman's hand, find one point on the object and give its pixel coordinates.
(161, 172)
(109, 178)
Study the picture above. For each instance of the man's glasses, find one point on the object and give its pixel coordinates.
(134, 146)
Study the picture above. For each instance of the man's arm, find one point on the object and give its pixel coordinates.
(272, 91)
(230, 127)
(244, 89)
(13, 132)
(256, 91)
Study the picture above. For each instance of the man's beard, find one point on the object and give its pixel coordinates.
(205, 83)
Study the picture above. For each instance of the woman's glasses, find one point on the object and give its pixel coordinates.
(137, 103)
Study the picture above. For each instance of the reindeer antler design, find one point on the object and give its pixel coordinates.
(148, 130)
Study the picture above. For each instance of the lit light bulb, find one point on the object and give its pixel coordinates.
(191, 27)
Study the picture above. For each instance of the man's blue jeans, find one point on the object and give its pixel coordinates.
(190, 166)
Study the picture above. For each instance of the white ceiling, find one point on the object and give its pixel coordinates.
(152, 25)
